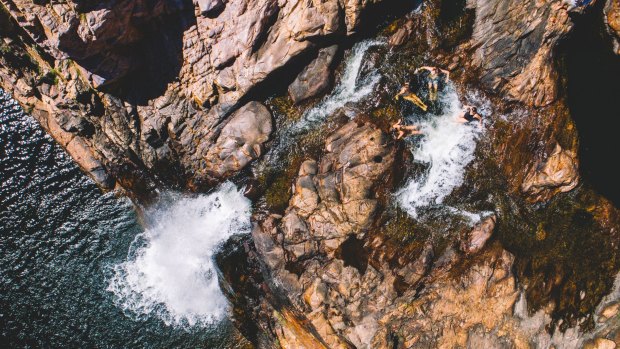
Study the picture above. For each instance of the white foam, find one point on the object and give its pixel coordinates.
(170, 270)
(447, 147)
(351, 88)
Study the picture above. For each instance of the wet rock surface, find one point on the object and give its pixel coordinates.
(612, 19)
(240, 141)
(558, 174)
(316, 255)
(514, 43)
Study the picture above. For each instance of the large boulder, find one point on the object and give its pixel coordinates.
(514, 43)
(557, 174)
(334, 201)
(315, 78)
(241, 140)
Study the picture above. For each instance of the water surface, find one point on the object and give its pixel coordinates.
(60, 241)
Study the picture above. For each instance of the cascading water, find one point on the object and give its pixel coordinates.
(352, 87)
(446, 148)
(171, 271)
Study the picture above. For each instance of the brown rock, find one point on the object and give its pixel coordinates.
(478, 236)
(600, 343)
(402, 34)
(241, 140)
(316, 78)
(179, 70)
(612, 19)
(609, 312)
(558, 174)
(514, 41)
(331, 202)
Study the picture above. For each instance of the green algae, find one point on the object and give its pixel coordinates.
(565, 254)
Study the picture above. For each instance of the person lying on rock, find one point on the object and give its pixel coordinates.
(469, 114)
(405, 130)
(434, 79)
(406, 93)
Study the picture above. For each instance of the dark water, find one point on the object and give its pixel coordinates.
(59, 238)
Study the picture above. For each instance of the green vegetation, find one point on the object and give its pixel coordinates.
(51, 77)
(564, 254)
(4, 48)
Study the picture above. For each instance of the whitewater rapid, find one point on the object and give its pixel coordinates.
(170, 270)
(446, 148)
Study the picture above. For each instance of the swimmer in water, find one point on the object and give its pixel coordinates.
(470, 114)
(434, 79)
(405, 130)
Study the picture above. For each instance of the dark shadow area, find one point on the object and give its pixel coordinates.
(158, 58)
(455, 23)
(353, 254)
(592, 88)
(241, 279)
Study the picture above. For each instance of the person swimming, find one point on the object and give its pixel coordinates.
(434, 79)
(405, 130)
(469, 114)
(406, 93)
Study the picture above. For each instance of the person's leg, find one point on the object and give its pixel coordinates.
(433, 90)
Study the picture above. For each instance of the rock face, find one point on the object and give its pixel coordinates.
(513, 52)
(514, 43)
(469, 312)
(612, 19)
(240, 141)
(315, 78)
(333, 204)
(317, 257)
(154, 82)
(558, 174)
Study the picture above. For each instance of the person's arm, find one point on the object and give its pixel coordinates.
(423, 68)
(447, 72)
(479, 117)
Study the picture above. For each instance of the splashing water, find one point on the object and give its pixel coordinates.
(352, 88)
(447, 147)
(170, 271)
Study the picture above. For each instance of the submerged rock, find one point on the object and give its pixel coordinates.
(316, 78)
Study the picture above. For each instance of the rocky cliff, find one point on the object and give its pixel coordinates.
(138, 91)
(144, 94)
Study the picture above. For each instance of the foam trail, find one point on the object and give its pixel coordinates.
(447, 147)
(170, 271)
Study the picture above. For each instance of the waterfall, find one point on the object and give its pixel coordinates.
(351, 88)
(446, 148)
(170, 271)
